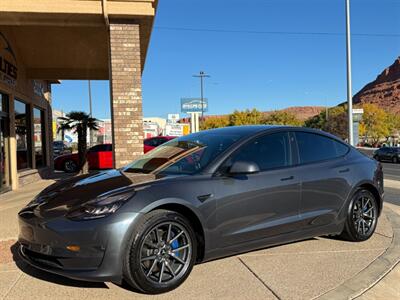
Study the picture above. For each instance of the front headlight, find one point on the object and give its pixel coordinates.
(100, 207)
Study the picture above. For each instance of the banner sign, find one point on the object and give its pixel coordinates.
(8, 62)
(194, 105)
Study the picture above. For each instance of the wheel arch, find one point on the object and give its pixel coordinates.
(193, 218)
(372, 189)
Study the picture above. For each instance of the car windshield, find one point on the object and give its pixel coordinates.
(185, 155)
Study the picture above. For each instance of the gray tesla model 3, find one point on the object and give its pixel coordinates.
(200, 197)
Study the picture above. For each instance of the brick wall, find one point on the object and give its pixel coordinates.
(126, 92)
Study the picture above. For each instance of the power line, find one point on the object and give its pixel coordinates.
(396, 35)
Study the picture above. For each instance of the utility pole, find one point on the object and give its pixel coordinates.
(90, 113)
(202, 75)
(349, 83)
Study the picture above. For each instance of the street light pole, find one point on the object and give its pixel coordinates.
(202, 75)
(349, 83)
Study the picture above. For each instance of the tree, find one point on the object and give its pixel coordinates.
(393, 122)
(336, 123)
(375, 123)
(246, 117)
(79, 122)
(214, 122)
(282, 118)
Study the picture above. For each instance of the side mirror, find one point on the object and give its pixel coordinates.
(244, 167)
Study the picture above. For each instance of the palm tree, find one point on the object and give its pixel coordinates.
(79, 122)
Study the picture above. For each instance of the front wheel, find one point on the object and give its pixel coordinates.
(362, 217)
(161, 253)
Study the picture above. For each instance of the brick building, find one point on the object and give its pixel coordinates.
(44, 41)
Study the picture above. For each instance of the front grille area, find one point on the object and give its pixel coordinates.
(42, 259)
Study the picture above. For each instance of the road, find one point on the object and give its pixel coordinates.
(391, 171)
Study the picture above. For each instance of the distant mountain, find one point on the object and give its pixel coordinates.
(384, 91)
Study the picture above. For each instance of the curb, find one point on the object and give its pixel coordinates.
(372, 274)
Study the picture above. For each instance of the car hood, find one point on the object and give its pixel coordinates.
(60, 198)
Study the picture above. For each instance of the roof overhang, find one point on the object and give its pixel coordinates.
(68, 39)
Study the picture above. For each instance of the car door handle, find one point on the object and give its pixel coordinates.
(344, 170)
(287, 178)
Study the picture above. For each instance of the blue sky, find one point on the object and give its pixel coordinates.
(250, 66)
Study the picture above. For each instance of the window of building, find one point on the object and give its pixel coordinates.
(4, 144)
(268, 152)
(39, 137)
(22, 130)
(315, 147)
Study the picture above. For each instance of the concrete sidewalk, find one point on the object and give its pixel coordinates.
(302, 270)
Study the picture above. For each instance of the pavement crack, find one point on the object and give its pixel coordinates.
(13, 285)
(259, 279)
(384, 235)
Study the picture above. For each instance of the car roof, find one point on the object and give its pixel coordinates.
(249, 130)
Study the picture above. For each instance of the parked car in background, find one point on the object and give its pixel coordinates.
(98, 157)
(60, 148)
(153, 142)
(203, 196)
(388, 154)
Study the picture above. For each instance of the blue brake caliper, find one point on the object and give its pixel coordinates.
(175, 244)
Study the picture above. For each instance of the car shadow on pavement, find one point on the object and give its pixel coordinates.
(53, 278)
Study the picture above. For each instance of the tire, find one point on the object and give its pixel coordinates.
(362, 217)
(395, 160)
(150, 256)
(70, 166)
(376, 157)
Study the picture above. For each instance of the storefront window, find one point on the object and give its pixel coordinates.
(22, 126)
(39, 137)
(4, 144)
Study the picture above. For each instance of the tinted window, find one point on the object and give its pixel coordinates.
(315, 147)
(268, 152)
(98, 148)
(151, 142)
(159, 141)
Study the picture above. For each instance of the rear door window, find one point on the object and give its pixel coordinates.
(314, 147)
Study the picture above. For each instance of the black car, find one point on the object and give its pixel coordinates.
(388, 154)
(200, 197)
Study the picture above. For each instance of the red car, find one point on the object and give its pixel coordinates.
(100, 156)
(155, 141)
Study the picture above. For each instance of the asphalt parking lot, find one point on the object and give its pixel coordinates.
(391, 171)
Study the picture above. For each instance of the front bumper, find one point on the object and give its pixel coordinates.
(102, 242)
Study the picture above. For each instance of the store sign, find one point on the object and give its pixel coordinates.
(174, 129)
(8, 62)
(173, 118)
(193, 105)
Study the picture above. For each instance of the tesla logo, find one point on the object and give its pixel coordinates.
(8, 62)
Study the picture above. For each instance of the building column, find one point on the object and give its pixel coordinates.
(126, 92)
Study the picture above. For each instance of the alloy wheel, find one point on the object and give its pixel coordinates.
(165, 253)
(364, 215)
(70, 166)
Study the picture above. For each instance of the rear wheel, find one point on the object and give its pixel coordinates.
(161, 253)
(70, 166)
(362, 217)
